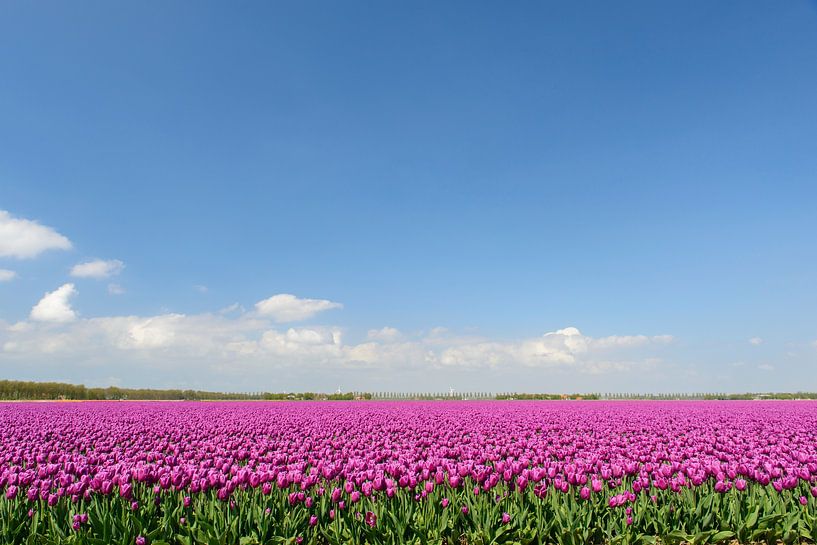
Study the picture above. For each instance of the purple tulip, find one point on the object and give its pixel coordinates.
(230, 450)
(126, 490)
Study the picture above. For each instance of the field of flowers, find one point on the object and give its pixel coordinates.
(408, 472)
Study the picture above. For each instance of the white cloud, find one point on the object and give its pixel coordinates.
(7, 275)
(221, 349)
(285, 307)
(564, 347)
(201, 288)
(55, 306)
(385, 334)
(235, 307)
(97, 268)
(24, 239)
(115, 289)
(755, 341)
(765, 367)
(246, 344)
(19, 327)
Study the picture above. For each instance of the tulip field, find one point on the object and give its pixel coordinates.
(408, 472)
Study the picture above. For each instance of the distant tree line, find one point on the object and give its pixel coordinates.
(34, 391)
(430, 396)
(551, 397)
(25, 390)
(715, 396)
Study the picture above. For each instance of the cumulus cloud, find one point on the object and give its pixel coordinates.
(115, 289)
(755, 341)
(285, 307)
(384, 334)
(25, 239)
(231, 346)
(55, 306)
(216, 342)
(229, 309)
(563, 348)
(98, 268)
(625, 341)
(7, 275)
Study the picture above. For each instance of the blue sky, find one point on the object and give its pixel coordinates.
(540, 197)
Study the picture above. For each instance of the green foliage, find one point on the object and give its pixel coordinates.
(697, 516)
